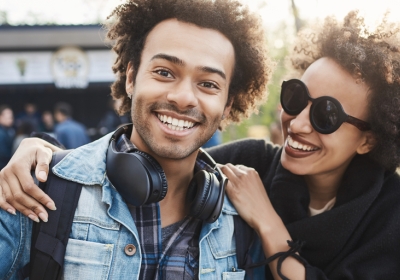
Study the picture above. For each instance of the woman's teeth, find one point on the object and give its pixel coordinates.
(298, 146)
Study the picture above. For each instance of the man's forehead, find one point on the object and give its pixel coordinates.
(190, 43)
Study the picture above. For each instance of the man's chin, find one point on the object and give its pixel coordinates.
(174, 152)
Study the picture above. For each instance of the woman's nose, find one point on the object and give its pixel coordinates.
(301, 122)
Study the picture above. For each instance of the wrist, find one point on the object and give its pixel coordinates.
(274, 236)
(268, 225)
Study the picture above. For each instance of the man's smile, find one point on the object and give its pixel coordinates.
(174, 123)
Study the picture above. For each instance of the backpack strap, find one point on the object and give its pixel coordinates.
(244, 236)
(49, 240)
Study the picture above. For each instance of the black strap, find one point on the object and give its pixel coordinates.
(295, 247)
(49, 240)
(244, 236)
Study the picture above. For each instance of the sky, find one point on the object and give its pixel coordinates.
(271, 11)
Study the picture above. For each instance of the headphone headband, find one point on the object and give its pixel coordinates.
(139, 178)
(125, 129)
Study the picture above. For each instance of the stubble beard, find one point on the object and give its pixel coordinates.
(174, 149)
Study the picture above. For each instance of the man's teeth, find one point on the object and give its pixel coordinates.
(175, 124)
(296, 145)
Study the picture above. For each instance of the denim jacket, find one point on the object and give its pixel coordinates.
(104, 240)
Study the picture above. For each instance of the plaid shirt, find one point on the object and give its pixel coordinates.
(176, 256)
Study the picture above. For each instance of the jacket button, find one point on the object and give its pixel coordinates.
(130, 250)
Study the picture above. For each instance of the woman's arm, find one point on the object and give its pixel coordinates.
(17, 188)
(246, 191)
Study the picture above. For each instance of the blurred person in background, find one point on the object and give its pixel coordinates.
(31, 115)
(6, 134)
(48, 123)
(24, 130)
(69, 132)
(111, 120)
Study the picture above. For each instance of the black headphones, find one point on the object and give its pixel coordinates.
(139, 178)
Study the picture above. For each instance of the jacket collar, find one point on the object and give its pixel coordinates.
(87, 165)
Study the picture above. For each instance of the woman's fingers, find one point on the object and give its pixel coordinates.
(247, 193)
(21, 201)
(4, 204)
(32, 153)
(19, 191)
(43, 158)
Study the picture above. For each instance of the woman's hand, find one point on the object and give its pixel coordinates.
(17, 188)
(247, 193)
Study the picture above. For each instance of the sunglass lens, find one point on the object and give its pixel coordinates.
(294, 98)
(325, 115)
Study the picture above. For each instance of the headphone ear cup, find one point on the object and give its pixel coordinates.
(202, 195)
(159, 185)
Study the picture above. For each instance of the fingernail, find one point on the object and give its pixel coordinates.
(33, 218)
(42, 175)
(51, 206)
(43, 217)
(11, 211)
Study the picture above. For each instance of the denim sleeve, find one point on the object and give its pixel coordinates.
(15, 239)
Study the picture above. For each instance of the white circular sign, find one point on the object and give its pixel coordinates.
(70, 68)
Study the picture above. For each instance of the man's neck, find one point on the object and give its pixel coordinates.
(179, 173)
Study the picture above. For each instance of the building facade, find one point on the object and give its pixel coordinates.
(48, 64)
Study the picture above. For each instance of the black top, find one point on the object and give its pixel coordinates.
(359, 238)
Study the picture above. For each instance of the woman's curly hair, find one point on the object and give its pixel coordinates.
(372, 57)
(132, 22)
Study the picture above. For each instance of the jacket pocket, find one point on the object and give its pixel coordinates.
(237, 275)
(87, 260)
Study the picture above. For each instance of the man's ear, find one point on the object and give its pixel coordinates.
(130, 76)
(368, 144)
(227, 109)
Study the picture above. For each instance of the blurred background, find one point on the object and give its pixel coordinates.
(53, 51)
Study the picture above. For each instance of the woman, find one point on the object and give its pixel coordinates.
(332, 186)
(331, 190)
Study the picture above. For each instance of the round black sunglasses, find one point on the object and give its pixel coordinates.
(326, 113)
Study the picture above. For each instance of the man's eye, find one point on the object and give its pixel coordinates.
(163, 72)
(208, 85)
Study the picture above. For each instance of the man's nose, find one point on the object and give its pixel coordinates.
(183, 95)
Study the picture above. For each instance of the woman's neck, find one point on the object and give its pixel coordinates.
(322, 189)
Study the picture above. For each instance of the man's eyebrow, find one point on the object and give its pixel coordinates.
(213, 71)
(178, 61)
(170, 58)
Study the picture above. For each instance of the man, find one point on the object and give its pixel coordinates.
(69, 132)
(6, 134)
(182, 67)
(30, 115)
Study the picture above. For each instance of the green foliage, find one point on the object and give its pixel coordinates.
(278, 46)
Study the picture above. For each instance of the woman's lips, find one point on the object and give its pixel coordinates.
(298, 149)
